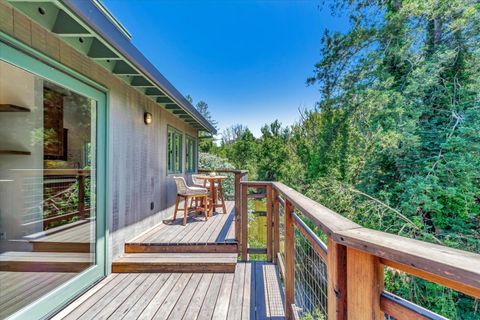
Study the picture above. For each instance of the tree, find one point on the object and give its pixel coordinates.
(393, 141)
(232, 133)
(206, 143)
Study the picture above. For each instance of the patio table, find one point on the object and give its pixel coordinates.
(215, 186)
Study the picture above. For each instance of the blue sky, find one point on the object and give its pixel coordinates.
(247, 59)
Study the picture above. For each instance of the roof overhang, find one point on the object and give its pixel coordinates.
(90, 28)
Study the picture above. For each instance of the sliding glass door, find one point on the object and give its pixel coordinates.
(52, 186)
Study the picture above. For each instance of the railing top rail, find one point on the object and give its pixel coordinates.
(459, 266)
(329, 221)
(256, 184)
(66, 172)
(224, 171)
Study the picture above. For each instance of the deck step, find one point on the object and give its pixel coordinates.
(45, 261)
(225, 247)
(176, 262)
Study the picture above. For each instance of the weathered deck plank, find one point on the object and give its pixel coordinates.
(197, 230)
(199, 297)
(77, 238)
(176, 262)
(199, 236)
(18, 289)
(45, 261)
(184, 296)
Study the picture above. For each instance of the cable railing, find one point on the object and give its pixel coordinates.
(62, 195)
(311, 284)
(344, 278)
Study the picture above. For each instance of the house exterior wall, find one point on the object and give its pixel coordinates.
(137, 152)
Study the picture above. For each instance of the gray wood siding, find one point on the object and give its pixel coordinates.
(137, 152)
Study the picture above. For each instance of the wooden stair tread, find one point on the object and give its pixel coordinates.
(197, 248)
(45, 261)
(176, 262)
(176, 258)
(46, 256)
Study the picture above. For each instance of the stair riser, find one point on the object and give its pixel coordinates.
(179, 268)
(61, 247)
(153, 248)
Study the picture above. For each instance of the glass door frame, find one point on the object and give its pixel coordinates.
(28, 59)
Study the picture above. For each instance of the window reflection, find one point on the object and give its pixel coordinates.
(47, 186)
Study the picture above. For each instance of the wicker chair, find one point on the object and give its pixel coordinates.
(186, 192)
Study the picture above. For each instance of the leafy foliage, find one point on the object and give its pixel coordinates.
(393, 142)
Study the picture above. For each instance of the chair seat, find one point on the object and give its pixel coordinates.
(194, 191)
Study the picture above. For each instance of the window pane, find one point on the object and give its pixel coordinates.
(47, 186)
(190, 154)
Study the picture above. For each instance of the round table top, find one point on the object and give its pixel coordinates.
(209, 177)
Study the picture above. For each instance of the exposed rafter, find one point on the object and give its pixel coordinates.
(122, 68)
(66, 26)
(85, 27)
(141, 82)
(154, 92)
(101, 52)
(164, 100)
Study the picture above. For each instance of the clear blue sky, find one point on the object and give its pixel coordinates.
(248, 60)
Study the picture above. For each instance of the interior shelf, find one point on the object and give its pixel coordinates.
(15, 152)
(12, 108)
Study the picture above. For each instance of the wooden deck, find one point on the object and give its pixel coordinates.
(18, 289)
(176, 262)
(45, 261)
(77, 237)
(215, 235)
(252, 292)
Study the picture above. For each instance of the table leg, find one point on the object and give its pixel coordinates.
(212, 196)
(222, 196)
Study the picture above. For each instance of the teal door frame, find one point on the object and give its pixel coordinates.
(26, 58)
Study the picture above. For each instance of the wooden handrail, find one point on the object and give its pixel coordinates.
(355, 257)
(457, 269)
(224, 171)
(66, 172)
(459, 266)
(329, 221)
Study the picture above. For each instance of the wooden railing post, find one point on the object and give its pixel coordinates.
(337, 280)
(364, 285)
(276, 225)
(81, 195)
(269, 223)
(239, 177)
(289, 260)
(244, 223)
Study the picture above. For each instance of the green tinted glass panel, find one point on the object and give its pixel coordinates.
(191, 154)
(174, 151)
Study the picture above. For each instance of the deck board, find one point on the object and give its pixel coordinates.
(45, 261)
(217, 234)
(217, 229)
(18, 289)
(74, 237)
(199, 297)
(184, 296)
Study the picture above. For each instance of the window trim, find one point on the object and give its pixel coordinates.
(195, 154)
(175, 131)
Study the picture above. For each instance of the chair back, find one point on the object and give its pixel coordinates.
(196, 180)
(181, 185)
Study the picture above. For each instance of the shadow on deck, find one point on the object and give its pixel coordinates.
(252, 292)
